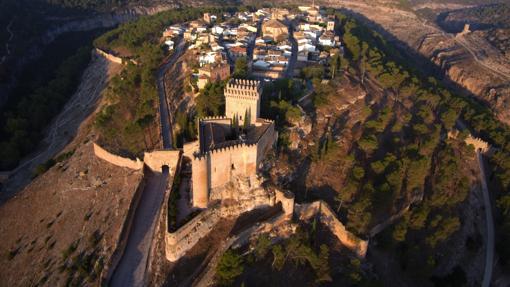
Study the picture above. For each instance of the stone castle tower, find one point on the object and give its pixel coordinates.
(242, 99)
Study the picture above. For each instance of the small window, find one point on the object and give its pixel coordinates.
(233, 167)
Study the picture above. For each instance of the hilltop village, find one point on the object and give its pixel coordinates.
(250, 146)
(274, 42)
(221, 174)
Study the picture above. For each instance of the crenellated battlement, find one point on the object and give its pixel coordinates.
(211, 118)
(229, 148)
(267, 120)
(243, 84)
(243, 89)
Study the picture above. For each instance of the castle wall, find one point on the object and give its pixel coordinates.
(287, 201)
(477, 143)
(109, 57)
(328, 218)
(266, 142)
(232, 161)
(189, 148)
(200, 181)
(179, 242)
(117, 160)
(215, 168)
(155, 160)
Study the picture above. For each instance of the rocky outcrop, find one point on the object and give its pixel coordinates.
(469, 61)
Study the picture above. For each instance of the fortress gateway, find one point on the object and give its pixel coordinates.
(231, 147)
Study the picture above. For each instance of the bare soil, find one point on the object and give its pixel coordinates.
(68, 204)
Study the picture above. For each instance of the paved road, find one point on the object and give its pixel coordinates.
(293, 58)
(132, 267)
(166, 126)
(489, 257)
(470, 51)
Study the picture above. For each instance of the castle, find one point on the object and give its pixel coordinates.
(224, 151)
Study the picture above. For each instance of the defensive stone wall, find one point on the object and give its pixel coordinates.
(179, 242)
(155, 160)
(117, 160)
(266, 141)
(189, 148)
(109, 56)
(329, 219)
(477, 143)
(287, 201)
(113, 58)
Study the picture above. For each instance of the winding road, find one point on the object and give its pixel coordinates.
(166, 121)
(468, 49)
(132, 268)
(293, 58)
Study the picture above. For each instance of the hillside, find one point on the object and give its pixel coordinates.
(73, 238)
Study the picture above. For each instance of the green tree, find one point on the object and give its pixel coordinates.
(229, 268)
(240, 68)
(278, 257)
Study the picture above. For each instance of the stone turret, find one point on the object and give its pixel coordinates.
(200, 184)
(242, 99)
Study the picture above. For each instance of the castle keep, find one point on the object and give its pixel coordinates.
(223, 151)
(242, 100)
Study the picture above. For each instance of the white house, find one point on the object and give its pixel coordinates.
(261, 65)
(208, 58)
(170, 44)
(302, 56)
(284, 46)
(306, 47)
(248, 27)
(201, 29)
(230, 32)
(327, 41)
(217, 30)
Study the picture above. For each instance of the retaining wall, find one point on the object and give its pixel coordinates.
(117, 160)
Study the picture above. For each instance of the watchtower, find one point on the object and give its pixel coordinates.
(242, 100)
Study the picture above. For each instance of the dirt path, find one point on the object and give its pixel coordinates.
(64, 127)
